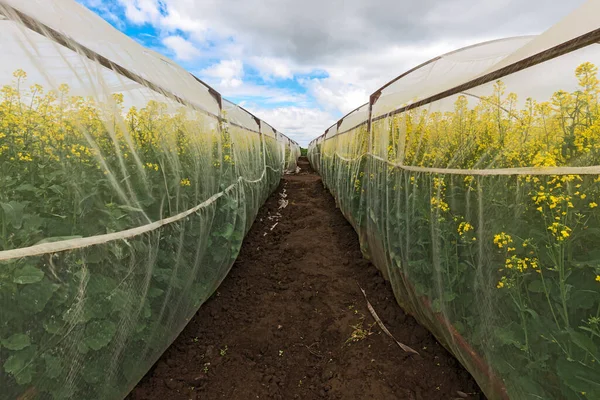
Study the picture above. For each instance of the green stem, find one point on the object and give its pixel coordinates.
(4, 233)
(563, 290)
(74, 216)
(592, 334)
(519, 304)
(548, 299)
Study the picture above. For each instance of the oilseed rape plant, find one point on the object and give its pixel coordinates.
(509, 260)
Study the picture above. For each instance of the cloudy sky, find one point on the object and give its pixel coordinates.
(302, 64)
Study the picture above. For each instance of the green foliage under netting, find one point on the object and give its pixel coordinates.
(88, 323)
(510, 261)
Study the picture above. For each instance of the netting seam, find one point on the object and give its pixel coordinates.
(590, 170)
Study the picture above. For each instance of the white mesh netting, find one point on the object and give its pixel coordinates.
(474, 183)
(127, 186)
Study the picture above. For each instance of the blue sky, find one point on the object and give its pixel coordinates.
(301, 65)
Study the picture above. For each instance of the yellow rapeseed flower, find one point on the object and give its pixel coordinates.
(464, 227)
(502, 239)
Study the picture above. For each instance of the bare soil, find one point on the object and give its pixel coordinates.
(281, 325)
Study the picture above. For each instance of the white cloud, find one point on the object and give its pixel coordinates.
(107, 10)
(316, 31)
(182, 48)
(228, 73)
(174, 20)
(298, 123)
(142, 11)
(272, 67)
(335, 94)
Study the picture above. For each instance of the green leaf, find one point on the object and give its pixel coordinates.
(162, 275)
(146, 311)
(56, 189)
(372, 215)
(13, 213)
(583, 299)
(82, 347)
(139, 327)
(96, 308)
(218, 252)
(54, 366)
(33, 298)
(154, 292)
(579, 377)
(25, 375)
(19, 365)
(584, 342)
(120, 301)
(53, 325)
(27, 187)
(226, 231)
(18, 341)
(132, 370)
(33, 223)
(460, 327)
(536, 286)
(15, 363)
(436, 305)
(508, 336)
(449, 297)
(95, 372)
(28, 274)
(531, 312)
(238, 237)
(594, 255)
(523, 383)
(130, 209)
(99, 283)
(63, 392)
(99, 334)
(95, 255)
(118, 252)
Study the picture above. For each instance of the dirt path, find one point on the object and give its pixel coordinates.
(279, 325)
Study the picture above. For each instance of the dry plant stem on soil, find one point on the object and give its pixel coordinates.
(383, 328)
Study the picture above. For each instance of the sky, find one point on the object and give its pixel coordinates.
(301, 65)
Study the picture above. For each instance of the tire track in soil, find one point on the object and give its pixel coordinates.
(285, 312)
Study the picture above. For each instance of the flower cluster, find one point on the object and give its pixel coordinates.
(502, 240)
